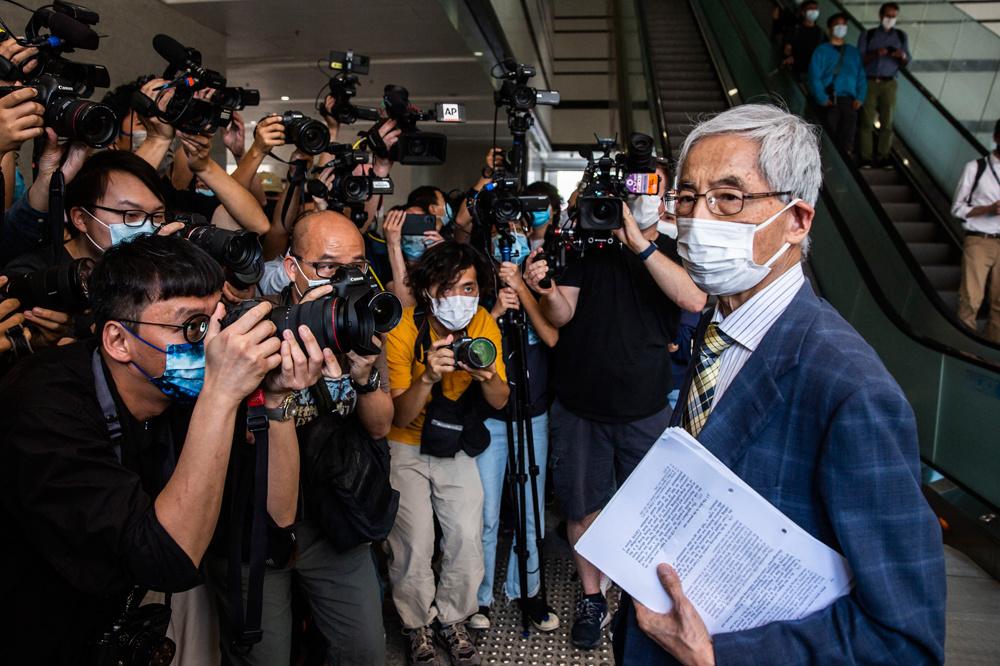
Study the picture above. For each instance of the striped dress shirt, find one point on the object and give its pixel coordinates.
(749, 323)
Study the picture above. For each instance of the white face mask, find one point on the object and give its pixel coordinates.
(455, 312)
(645, 210)
(667, 228)
(310, 284)
(840, 30)
(719, 255)
(889, 23)
(812, 15)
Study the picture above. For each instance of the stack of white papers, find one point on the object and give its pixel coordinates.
(742, 562)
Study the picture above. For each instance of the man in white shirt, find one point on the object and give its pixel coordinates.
(977, 201)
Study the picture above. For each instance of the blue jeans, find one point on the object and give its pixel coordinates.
(492, 464)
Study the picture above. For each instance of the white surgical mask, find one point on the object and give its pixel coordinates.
(889, 23)
(667, 228)
(455, 312)
(812, 15)
(138, 137)
(719, 255)
(840, 30)
(644, 209)
(310, 284)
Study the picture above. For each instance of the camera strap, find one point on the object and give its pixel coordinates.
(246, 626)
(57, 214)
(107, 403)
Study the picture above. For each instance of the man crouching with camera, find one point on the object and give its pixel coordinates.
(347, 502)
(115, 449)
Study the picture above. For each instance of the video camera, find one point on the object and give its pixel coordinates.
(515, 93)
(344, 321)
(414, 146)
(310, 136)
(348, 192)
(189, 109)
(344, 86)
(500, 204)
(60, 84)
(608, 180)
(239, 252)
(64, 288)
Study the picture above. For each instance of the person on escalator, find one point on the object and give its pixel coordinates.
(802, 40)
(837, 82)
(885, 51)
(977, 203)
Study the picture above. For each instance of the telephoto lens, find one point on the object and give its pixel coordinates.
(239, 252)
(92, 123)
(63, 288)
(476, 353)
(310, 136)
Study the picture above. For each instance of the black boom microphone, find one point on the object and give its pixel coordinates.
(74, 33)
(170, 49)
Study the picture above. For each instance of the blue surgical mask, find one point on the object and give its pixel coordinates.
(540, 218)
(205, 191)
(120, 232)
(519, 251)
(449, 214)
(184, 374)
(413, 247)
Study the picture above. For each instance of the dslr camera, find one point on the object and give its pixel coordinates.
(60, 84)
(239, 252)
(608, 180)
(138, 637)
(201, 101)
(414, 146)
(310, 136)
(64, 287)
(345, 320)
(348, 192)
(477, 353)
(344, 86)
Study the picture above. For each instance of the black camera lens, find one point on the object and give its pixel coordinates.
(478, 353)
(310, 136)
(600, 213)
(524, 97)
(239, 252)
(386, 311)
(92, 123)
(507, 209)
(639, 155)
(63, 288)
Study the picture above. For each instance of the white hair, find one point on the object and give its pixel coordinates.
(788, 157)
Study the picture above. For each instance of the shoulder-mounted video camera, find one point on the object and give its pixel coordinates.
(61, 84)
(201, 101)
(414, 146)
(608, 179)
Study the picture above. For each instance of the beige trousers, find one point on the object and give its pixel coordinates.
(980, 264)
(450, 489)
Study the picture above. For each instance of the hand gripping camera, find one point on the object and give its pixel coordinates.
(414, 146)
(344, 86)
(348, 192)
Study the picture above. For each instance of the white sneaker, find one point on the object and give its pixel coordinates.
(481, 620)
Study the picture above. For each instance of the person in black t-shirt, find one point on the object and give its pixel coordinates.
(89, 515)
(802, 40)
(617, 309)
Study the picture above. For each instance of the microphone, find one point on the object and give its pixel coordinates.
(170, 49)
(72, 32)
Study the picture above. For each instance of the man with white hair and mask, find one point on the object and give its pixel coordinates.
(786, 394)
(617, 308)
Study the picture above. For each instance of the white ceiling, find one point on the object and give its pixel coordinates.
(275, 45)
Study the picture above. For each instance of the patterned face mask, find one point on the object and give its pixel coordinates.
(184, 374)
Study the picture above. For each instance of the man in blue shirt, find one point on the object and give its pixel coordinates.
(837, 82)
(885, 51)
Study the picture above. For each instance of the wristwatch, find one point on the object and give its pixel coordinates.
(283, 412)
(373, 384)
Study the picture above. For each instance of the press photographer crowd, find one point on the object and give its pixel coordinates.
(233, 426)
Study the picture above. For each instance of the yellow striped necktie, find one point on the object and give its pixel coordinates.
(706, 376)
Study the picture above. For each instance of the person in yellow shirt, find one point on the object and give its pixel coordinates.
(433, 465)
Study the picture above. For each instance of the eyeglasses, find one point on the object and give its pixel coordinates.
(326, 269)
(195, 327)
(722, 201)
(137, 218)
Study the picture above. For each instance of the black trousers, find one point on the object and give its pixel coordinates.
(842, 122)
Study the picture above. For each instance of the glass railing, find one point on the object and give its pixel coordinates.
(862, 273)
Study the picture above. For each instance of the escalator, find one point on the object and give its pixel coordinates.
(882, 255)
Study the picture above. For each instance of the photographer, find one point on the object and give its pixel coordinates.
(116, 448)
(463, 227)
(542, 219)
(617, 309)
(440, 406)
(340, 584)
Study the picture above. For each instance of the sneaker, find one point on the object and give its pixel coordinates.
(481, 620)
(421, 646)
(455, 638)
(888, 165)
(866, 164)
(591, 618)
(541, 614)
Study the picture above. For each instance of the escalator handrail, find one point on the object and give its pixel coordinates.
(880, 214)
(652, 87)
(945, 113)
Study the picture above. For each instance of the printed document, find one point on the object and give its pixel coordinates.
(742, 562)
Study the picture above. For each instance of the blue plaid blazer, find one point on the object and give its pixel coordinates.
(815, 424)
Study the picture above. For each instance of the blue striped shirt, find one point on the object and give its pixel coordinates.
(749, 323)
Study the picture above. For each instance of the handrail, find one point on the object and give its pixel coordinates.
(962, 129)
(652, 87)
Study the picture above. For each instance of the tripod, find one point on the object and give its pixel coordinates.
(521, 446)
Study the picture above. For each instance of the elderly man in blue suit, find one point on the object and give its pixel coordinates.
(785, 393)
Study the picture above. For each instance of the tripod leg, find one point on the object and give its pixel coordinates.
(533, 472)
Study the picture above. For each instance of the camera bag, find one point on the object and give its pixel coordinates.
(345, 477)
(450, 425)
